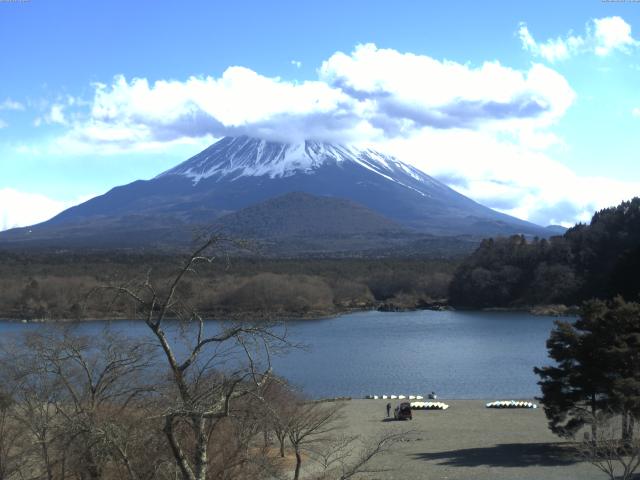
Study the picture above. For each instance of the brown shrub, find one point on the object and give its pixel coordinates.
(277, 292)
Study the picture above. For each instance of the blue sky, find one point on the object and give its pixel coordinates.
(532, 109)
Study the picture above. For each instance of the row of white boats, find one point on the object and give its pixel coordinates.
(419, 405)
(415, 405)
(511, 404)
(429, 406)
(394, 397)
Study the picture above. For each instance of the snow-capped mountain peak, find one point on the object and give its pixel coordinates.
(272, 189)
(234, 157)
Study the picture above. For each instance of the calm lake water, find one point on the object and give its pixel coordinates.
(488, 355)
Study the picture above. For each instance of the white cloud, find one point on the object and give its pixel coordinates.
(369, 94)
(553, 49)
(636, 112)
(18, 209)
(602, 37)
(407, 91)
(484, 129)
(55, 115)
(510, 177)
(612, 33)
(9, 104)
(130, 115)
(296, 63)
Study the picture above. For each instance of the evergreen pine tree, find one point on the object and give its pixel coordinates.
(597, 368)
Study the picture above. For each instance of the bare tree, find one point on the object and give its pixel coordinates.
(614, 450)
(35, 393)
(206, 374)
(75, 399)
(334, 454)
(238, 451)
(11, 439)
(280, 405)
(370, 449)
(100, 380)
(310, 424)
(349, 456)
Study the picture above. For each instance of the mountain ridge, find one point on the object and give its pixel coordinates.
(299, 213)
(239, 172)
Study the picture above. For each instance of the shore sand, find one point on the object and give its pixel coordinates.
(468, 441)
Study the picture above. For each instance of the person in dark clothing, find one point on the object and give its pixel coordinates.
(388, 409)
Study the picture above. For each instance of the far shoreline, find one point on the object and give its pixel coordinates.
(555, 310)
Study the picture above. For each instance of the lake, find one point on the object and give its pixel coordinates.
(459, 355)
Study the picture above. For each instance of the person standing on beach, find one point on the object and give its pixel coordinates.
(388, 409)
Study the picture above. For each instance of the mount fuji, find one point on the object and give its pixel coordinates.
(274, 190)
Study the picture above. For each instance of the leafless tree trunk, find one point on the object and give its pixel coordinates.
(311, 423)
(615, 450)
(373, 448)
(348, 456)
(32, 409)
(11, 438)
(201, 399)
(74, 395)
(279, 406)
(100, 378)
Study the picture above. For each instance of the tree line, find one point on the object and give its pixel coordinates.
(55, 286)
(599, 260)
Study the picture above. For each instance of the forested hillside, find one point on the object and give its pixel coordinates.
(599, 260)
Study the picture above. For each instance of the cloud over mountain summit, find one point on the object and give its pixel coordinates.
(369, 94)
(491, 129)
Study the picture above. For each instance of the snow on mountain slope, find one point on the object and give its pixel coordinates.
(235, 157)
(239, 173)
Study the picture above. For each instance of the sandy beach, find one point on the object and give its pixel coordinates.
(469, 441)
